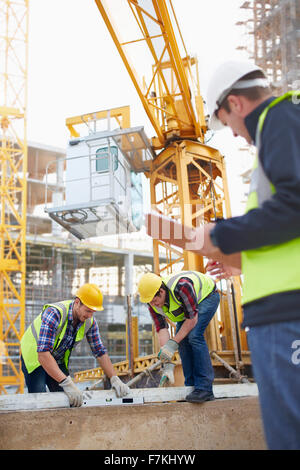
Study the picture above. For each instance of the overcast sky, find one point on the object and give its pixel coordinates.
(74, 66)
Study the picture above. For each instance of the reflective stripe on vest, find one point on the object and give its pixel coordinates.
(203, 286)
(30, 338)
(59, 306)
(276, 266)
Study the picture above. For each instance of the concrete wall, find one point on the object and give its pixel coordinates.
(221, 424)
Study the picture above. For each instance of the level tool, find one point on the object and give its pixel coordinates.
(112, 401)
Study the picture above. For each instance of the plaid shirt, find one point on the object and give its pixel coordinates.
(184, 292)
(50, 323)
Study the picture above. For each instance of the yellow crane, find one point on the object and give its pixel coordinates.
(187, 177)
(13, 169)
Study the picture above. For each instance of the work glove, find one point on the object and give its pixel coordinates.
(167, 352)
(120, 388)
(167, 374)
(74, 394)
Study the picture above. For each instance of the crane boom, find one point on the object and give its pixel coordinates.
(170, 93)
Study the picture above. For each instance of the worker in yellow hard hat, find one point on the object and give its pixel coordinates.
(190, 299)
(47, 344)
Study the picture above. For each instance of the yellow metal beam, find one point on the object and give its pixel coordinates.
(121, 114)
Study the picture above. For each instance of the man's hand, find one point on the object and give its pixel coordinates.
(167, 352)
(221, 270)
(120, 388)
(74, 394)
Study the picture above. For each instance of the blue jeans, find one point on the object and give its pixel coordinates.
(196, 363)
(38, 379)
(275, 354)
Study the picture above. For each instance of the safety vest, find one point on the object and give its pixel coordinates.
(276, 268)
(203, 286)
(30, 338)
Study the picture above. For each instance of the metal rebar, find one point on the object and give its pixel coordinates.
(138, 377)
(233, 328)
(233, 372)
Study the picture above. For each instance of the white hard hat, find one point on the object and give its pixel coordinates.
(226, 78)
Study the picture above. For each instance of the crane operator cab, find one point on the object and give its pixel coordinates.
(101, 184)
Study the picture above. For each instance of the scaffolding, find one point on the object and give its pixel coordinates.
(13, 184)
(55, 270)
(272, 40)
(57, 264)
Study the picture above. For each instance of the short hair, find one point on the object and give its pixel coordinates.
(80, 302)
(252, 94)
(158, 292)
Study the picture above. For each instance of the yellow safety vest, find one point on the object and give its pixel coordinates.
(203, 286)
(29, 340)
(276, 268)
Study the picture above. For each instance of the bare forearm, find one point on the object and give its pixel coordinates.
(50, 365)
(107, 366)
(187, 326)
(163, 336)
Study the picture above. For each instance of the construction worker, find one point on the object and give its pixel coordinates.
(47, 344)
(264, 244)
(189, 299)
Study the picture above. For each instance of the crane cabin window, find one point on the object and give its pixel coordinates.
(103, 156)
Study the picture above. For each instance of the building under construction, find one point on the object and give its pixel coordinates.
(57, 264)
(272, 40)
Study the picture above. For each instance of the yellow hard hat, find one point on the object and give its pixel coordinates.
(91, 296)
(148, 285)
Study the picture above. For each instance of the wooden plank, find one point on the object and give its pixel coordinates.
(39, 401)
(165, 229)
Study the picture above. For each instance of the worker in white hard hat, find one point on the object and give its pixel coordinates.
(264, 243)
(237, 79)
(190, 300)
(47, 344)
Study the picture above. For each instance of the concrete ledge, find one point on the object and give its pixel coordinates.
(231, 424)
(39, 401)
